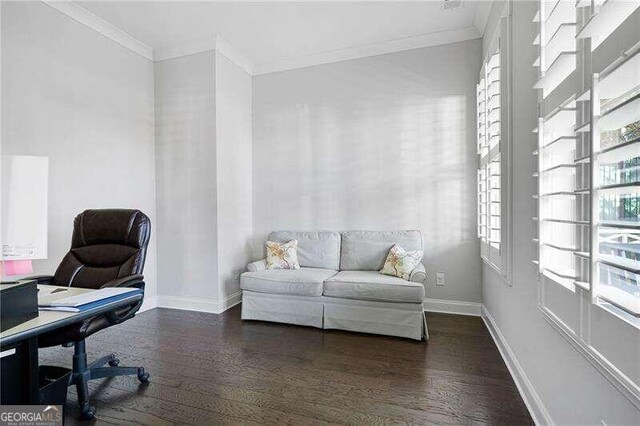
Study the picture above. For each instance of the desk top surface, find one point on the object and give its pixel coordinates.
(50, 320)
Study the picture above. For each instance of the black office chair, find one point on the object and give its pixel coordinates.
(108, 249)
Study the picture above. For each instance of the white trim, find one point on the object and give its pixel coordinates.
(148, 304)
(234, 55)
(528, 393)
(374, 49)
(232, 300)
(200, 304)
(483, 10)
(618, 379)
(184, 49)
(453, 307)
(215, 43)
(83, 16)
(126, 40)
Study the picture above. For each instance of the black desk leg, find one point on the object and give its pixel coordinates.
(19, 368)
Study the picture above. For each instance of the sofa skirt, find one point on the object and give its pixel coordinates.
(386, 318)
(300, 310)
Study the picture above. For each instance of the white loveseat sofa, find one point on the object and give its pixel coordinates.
(338, 285)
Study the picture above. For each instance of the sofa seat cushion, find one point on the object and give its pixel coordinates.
(372, 285)
(300, 282)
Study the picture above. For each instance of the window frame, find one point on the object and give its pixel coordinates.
(587, 312)
(499, 259)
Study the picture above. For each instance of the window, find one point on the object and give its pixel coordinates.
(493, 152)
(588, 179)
(489, 211)
(557, 42)
(590, 137)
(616, 147)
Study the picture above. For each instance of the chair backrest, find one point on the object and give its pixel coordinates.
(106, 244)
(316, 249)
(368, 250)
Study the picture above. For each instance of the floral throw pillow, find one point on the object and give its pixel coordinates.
(400, 263)
(282, 255)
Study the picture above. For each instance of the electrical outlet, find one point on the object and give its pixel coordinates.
(440, 278)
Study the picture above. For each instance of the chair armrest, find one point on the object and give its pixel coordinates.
(419, 274)
(40, 279)
(136, 280)
(120, 315)
(258, 265)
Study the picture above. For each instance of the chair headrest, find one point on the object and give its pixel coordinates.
(111, 226)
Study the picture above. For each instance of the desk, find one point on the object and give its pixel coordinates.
(19, 345)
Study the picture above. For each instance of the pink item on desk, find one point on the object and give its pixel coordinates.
(17, 267)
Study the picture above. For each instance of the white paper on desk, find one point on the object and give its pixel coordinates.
(85, 298)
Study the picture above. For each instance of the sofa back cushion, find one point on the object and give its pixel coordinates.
(367, 250)
(316, 249)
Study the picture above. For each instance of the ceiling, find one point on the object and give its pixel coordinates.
(267, 32)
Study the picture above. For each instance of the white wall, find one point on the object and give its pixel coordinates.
(203, 128)
(87, 103)
(233, 171)
(186, 176)
(385, 142)
(570, 388)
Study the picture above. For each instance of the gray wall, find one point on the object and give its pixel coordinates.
(233, 170)
(385, 142)
(87, 103)
(571, 389)
(186, 176)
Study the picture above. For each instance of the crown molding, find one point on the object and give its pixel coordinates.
(233, 55)
(88, 19)
(83, 16)
(215, 43)
(374, 49)
(184, 49)
(483, 9)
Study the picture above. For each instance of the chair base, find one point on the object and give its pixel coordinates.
(83, 372)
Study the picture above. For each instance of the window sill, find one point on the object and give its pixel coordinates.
(496, 270)
(620, 314)
(621, 382)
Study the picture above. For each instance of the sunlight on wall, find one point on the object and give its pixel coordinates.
(380, 143)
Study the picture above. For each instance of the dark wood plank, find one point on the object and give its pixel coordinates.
(210, 369)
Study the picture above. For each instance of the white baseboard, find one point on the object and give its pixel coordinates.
(232, 300)
(528, 393)
(148, 304)
(453, 307)
(198, 304)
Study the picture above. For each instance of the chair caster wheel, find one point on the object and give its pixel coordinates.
(114, 362)
(89, 414)
(142, 375)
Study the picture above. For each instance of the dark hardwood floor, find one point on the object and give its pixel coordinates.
(216, 369)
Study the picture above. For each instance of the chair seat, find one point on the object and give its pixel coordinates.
(300, 282)
(85, 328)
(372, 285)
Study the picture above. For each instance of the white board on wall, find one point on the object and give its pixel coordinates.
(25, 185)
